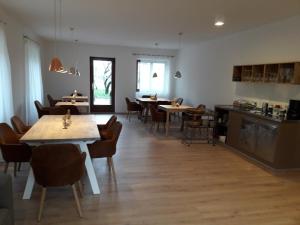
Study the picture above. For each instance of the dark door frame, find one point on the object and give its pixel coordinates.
(102, 108)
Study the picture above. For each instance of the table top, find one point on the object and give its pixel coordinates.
(75, 103)
(151, 100)
(76, 97)
(49, 128)
(172, 108)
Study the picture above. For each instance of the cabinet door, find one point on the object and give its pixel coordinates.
(247, 135)
(234, 123)
(266, 141)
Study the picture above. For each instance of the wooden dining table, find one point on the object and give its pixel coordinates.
(77, 98)
(147, 101)
(169, 109)
(83, 107)
(50, 130)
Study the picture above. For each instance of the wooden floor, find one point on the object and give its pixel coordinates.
(163, 182)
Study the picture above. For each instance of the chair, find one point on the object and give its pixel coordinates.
(109, 123)
(57, 165)
(19, 125)
(146, 96)
(133, 107)
(186, 117)
(12, 150)
(63, 109)
(157, 116)
(179, 102)
(106, 147)
(200, 126)
(41, 110)
(52, 101)
(6, 200)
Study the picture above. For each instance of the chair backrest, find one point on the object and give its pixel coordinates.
(179, 101)
(116, 128)
(201, 106)
(78, 94)
(73, 109)
(52, 102)
(146, 96)
(7, 135)
(110, 122)
(19, 125)
(164, 103)
(57, 164)
(156, 115)
(40, 109)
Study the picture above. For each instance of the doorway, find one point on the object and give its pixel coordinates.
(102, 84)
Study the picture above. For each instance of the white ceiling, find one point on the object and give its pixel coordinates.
(141, 23)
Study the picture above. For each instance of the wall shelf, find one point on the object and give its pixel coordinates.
(284, 73)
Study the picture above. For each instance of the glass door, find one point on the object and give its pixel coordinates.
(102, 84)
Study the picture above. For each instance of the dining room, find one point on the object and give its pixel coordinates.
(149, 112)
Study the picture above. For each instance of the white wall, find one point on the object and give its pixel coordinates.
(207, 67)
(58, 85)
(15, 31)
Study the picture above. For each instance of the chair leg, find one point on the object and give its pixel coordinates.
(42, 202)
(19, 168)
(15, 169)
(77, 200)
(6, 167)
(80, 188)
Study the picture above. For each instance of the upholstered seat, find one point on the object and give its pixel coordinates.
(41, 110)
(18, 125)
(12, 150)
(133, 107)
(57, 165)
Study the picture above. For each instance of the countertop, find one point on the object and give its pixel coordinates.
(255, 113)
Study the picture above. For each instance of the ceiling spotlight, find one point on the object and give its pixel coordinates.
(219, 23)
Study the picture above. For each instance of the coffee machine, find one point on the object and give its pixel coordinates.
(293, 112)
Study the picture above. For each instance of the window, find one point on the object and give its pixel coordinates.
(6, 98)
(146, 83)
(34, 84)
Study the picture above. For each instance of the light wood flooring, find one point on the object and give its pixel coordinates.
(163, 182)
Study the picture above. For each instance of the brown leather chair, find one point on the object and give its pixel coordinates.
(18, 125)
(52, 101)
(41, 110)
(133, 107)
(109, 123)
(157, 116)
(12, 150)
(63, 109)
(106, 147)
(57, 165)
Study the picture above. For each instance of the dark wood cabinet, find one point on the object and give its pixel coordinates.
(274, 143)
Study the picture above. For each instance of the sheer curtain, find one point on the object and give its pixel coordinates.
(34, 83)
(159, 85)
(6, 97)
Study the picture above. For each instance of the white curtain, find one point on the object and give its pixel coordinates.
(34, 83)
(6, 97)
(159, 85)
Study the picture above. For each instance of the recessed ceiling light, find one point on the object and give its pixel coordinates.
(219, 23)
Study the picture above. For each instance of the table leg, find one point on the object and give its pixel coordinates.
(146, 113)
(167, 123)
(90, 169)
(29, 185)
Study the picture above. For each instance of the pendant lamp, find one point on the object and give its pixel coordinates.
(155, 74)
(56, 64)
(178, 75)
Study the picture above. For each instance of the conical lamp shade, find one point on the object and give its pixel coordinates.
(177, 74)
(56, 65)
(72, 70)
(155, 75)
